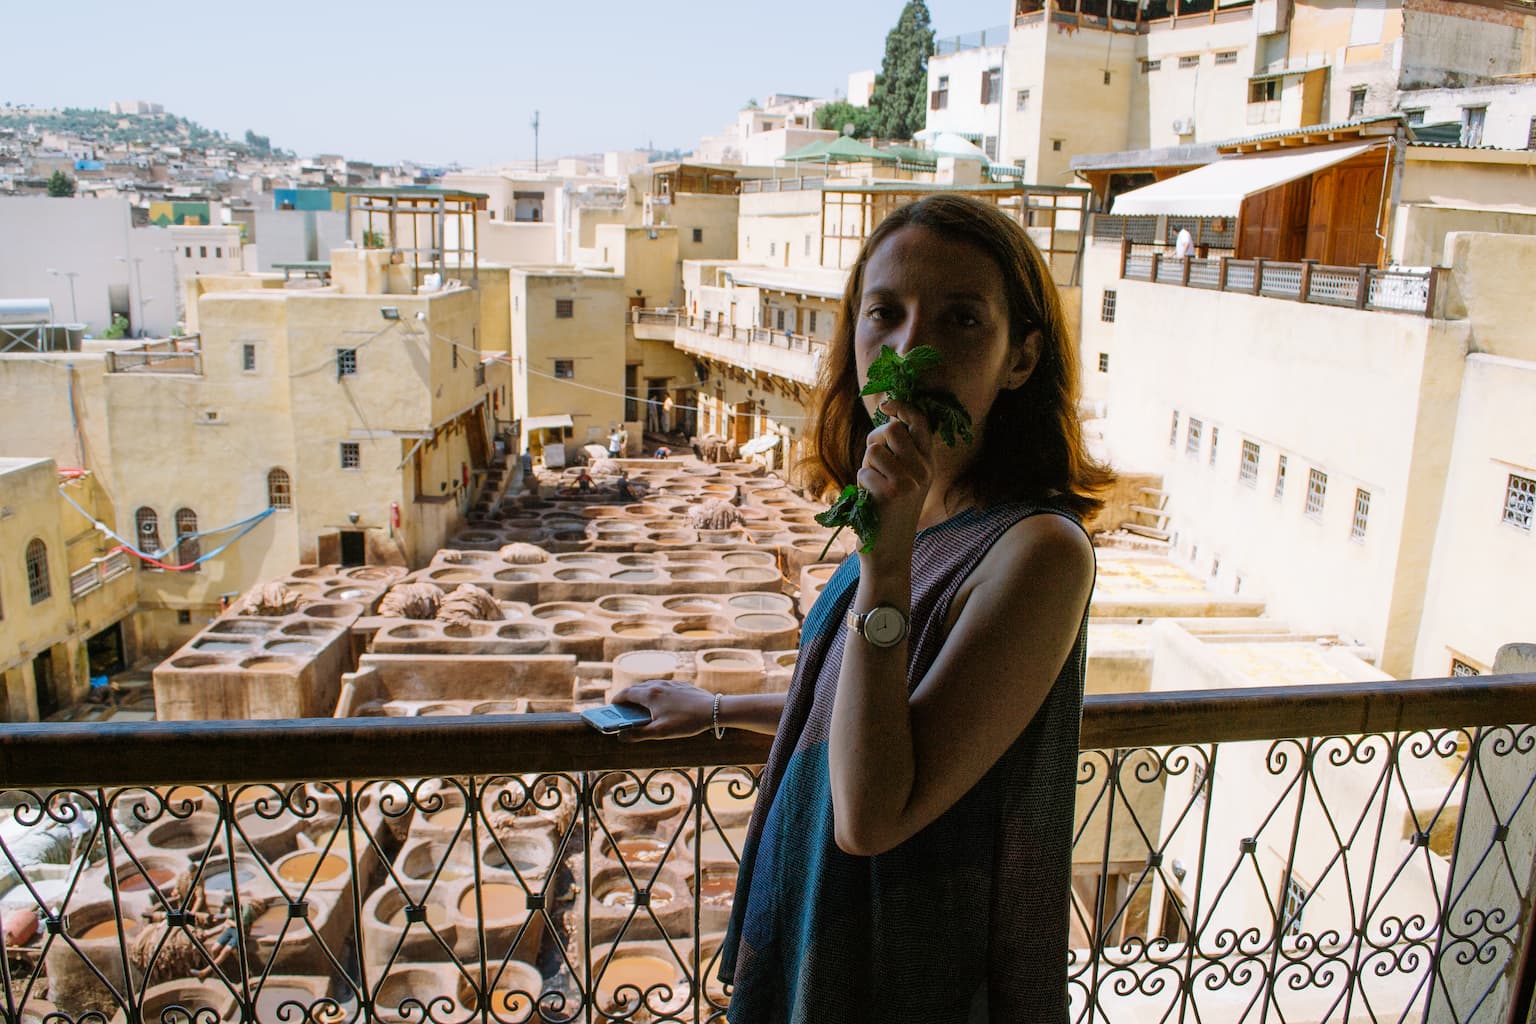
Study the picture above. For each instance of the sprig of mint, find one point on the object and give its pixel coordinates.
(898, 377)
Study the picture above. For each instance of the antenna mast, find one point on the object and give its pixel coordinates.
(535, 142)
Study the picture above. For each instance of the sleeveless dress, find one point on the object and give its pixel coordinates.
(966, 920)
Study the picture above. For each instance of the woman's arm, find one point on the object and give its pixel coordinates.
(678, 709)
(897, 764)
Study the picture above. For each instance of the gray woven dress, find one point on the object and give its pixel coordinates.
(967, 919)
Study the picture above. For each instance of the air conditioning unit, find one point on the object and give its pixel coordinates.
(1183, 126)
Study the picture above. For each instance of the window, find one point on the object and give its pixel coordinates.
(1215, 436)
(1248, 468)
(991, 86)
(188, 549)
(189, 252)
(1415, 116)
(218, 252)
(1108, 77)
(1357, 101)
(346, 362)
(698, 235)
(1226, 56)
(1266, 90)
(565, 309)
(1056, 144)
(1173, 430)
(1149, 66)
(1291, 910)
(38, 586)
(248, 357)
(1103, 362)
(1189, 60)
(1192, 438)
(183, 617)
(351, 455)
(939, 98)
(810, 327)
(1280, 479)
(807, 245)
(565, 369)
(1317, 489)
(1197, 776)
(1021, 100)
(779, 319)
(1362, 513)
(1520, 501)
(279, 489)
(1530, 138)
(1461, 668)
(989, 146)
(147, 525)
(1107, 306)
(1472, 119)
(202, 251)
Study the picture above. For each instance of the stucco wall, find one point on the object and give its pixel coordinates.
(1479, 592)
(592, 338)
(1367, 398)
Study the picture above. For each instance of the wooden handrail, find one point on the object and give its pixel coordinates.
(51, 756)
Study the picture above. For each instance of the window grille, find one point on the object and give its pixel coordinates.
(565, 369)
(1362, 514)
(248, 357)
(351, 455)
(39, 588)
(1520, 501)
(1191, 60)
(1248, 468)
(1295, 902)
(1103, 362)
(1215, 436)
(147, 524)
(188, 548)
(1192, 438)
(279, 489)
(1107, 305)
(1173, 431)
(565, 309)
(346, 362)
(1317, 489)
(1461, 668)
(1280, 479)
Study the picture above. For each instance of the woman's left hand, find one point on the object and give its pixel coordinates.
(897, 471)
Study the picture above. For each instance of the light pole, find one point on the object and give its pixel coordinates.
(138, 289)
(74, 312)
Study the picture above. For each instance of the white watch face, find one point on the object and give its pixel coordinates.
(884, 626)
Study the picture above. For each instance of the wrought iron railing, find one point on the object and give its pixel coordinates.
(1357, 852)
(1394, 291)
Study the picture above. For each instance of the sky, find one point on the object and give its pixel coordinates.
(454, 82)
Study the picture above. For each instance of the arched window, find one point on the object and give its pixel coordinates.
(38, 585)
(187, 547)
(279, 489)
(148, 526)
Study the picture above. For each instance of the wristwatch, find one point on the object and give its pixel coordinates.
(883, 625)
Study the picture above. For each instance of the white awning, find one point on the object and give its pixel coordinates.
(1218, 189)
(548, 422)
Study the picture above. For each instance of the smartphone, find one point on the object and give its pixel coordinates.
(612, 718)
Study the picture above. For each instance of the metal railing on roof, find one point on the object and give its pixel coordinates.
(1365, 287)
(173, 355)
(1236, 857)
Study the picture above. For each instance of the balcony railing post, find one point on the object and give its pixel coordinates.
(1304, 289)
(1184, 272)
(1432, 292)
(1258, 275)
(1157, 259)
(1125, 255)
(1221, 275)
(1363, 285)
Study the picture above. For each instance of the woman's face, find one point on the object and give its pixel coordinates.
(921, 288)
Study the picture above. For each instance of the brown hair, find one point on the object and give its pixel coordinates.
(1032, 447)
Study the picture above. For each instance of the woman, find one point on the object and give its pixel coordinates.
(910, 853)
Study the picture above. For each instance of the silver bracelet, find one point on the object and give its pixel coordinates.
(715, 720)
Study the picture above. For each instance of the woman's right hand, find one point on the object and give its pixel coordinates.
(677, 709)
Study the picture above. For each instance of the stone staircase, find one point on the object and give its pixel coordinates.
(1152, 513)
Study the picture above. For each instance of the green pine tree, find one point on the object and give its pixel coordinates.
(60, 184)
(900, 101)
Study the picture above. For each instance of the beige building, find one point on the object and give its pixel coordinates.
(66, 597)
(1104, 76)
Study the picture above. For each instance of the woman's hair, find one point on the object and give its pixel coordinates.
(1032, 445)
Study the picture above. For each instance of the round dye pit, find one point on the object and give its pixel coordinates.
(309, 867)
(500, 903)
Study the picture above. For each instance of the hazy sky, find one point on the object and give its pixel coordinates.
(388, 80)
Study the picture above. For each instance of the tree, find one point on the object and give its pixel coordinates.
(117, 329)
(60, 184)
(900, 100)
(839, 114)
(258, 143)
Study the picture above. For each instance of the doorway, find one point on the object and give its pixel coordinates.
(105, 651)
(354, 548)
(42, 678)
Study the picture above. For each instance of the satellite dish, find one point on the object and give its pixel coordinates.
(849, 129)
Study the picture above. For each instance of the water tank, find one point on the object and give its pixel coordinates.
(26, 311)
